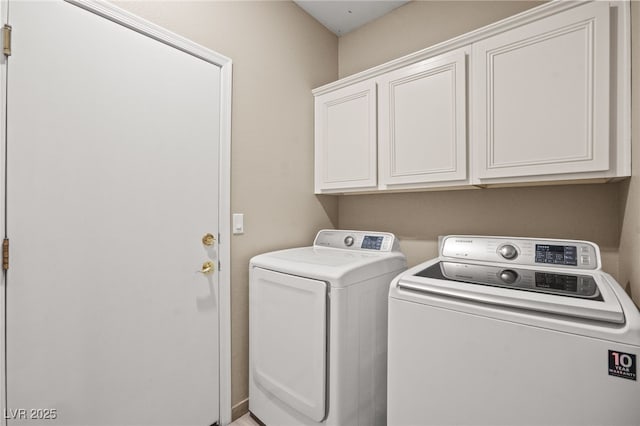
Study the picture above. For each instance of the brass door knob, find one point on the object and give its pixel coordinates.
(207, 267)
(208, 239)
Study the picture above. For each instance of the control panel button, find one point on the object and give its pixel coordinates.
(508, 251)
(348, 241)
(585, 260)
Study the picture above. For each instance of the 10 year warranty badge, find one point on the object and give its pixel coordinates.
(622, 364)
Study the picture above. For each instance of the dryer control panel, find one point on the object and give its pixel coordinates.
(357, 240)
(522, 251)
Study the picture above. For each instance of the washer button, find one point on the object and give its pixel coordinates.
(585, 260)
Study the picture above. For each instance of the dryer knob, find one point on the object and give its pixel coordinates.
(508, 251)
(348, 241)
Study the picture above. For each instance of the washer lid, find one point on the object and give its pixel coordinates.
(566, 283)
(337, 266)
(546, 290)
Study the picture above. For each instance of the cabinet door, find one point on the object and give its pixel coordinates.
(421, 119)
(542, 96)
(345, 139)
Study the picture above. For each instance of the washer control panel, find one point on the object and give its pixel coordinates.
(522, 251)
(357, 240)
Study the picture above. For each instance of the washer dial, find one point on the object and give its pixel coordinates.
(508, 276)
(508, 251)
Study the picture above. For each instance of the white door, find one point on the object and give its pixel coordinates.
(112, 182)
(422, 122)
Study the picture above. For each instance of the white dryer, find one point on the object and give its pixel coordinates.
(318, 330)
(512, 331)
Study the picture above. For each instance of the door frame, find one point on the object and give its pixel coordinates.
(142, 26)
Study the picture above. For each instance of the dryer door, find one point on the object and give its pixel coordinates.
(288, 339)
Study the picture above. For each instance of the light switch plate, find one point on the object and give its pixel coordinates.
(238, 223)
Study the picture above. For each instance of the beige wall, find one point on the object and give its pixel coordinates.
(630, 191)
(279, 54)
(417, 25)
(589, 212)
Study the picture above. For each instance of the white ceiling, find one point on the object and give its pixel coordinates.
(342, 16)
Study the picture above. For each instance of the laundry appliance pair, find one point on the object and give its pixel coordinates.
(494, 331)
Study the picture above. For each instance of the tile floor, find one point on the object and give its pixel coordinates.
(245, 420)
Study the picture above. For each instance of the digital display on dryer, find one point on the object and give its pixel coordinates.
(372, 243)
(557, 255)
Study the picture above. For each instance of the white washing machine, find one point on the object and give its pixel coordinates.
(318, 330)
(512, 331)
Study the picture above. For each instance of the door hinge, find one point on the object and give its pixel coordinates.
(6, 40)
(5, 254)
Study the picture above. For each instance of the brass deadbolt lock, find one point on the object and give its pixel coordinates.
(208, 239)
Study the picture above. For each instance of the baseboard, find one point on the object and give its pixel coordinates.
(257, 420)
(240, 409)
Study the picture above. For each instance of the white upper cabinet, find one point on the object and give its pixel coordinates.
(422, 123)
(345, 139)
(541, 97)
